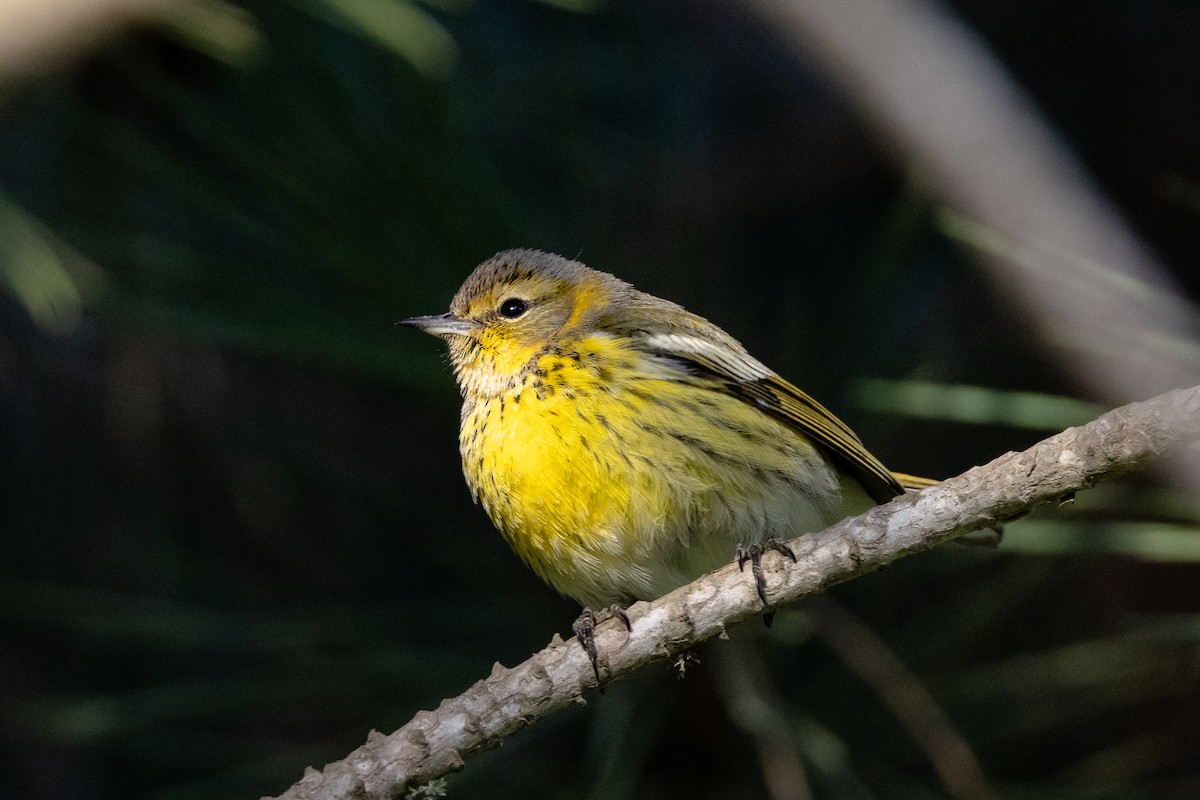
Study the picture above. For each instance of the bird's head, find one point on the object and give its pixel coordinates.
(514, 306)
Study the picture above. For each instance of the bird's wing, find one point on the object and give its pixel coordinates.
(749, 380)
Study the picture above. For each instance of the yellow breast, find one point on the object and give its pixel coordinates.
(616, 480)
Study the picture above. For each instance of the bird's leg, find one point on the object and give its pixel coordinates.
(753, 553)
(585, 630)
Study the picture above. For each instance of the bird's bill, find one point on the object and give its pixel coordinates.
(440, 324)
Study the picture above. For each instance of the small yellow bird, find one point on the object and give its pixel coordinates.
(623, 445)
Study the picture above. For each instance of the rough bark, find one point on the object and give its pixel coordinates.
(436, 742)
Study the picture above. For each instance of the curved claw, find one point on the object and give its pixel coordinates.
(585, 630)
(753, 553)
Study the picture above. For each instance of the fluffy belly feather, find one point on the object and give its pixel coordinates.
(620, 492)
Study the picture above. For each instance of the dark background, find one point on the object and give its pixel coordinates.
(235, 534)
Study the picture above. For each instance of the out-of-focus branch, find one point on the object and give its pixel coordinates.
(41, 35)
(36, 35)
(439, 741)
(866, 655)
(1049, 239)
(754, 703)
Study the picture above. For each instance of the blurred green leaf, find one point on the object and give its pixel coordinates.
(975, 405)
(1145, 540)
(33, 269)
(217, 28)
(399, 25)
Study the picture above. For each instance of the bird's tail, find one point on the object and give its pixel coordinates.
(914, 483)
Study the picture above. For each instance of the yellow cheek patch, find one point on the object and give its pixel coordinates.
(590, 294)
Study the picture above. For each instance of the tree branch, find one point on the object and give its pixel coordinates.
(436, 742)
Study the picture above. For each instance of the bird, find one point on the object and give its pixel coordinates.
(624, 446)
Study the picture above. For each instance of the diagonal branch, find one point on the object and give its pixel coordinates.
(867, 656)
(436, 742)
(1056, 245)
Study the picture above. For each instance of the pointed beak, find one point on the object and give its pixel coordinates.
(440, 324)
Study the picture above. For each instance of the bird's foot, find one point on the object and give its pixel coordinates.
(753, 553)
(585, 630)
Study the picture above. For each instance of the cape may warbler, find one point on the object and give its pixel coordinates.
(623, 445)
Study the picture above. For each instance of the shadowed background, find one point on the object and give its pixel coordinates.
(236, 537)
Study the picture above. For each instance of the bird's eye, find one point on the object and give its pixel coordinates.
(513, 307)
